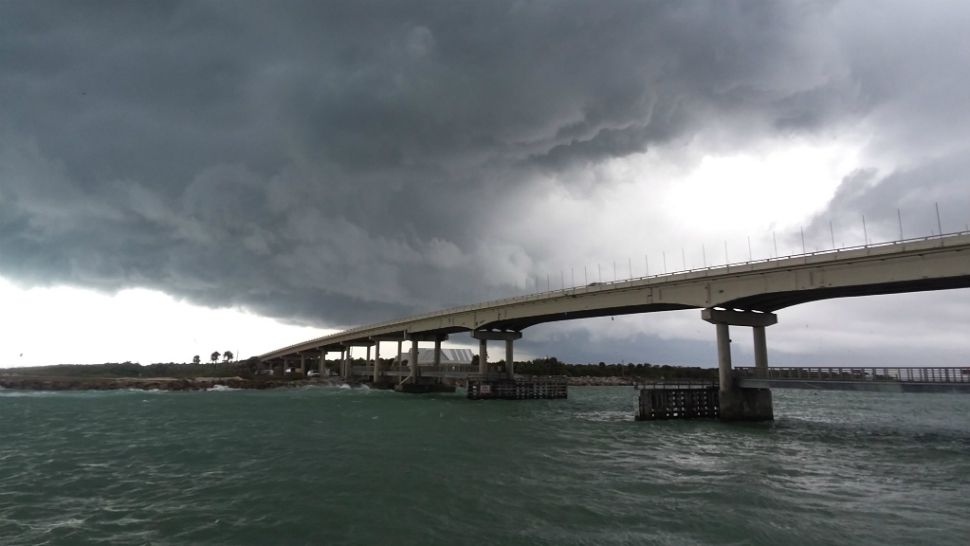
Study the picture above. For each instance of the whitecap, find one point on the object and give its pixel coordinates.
(220, 388)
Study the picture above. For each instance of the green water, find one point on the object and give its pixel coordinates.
(341, 466)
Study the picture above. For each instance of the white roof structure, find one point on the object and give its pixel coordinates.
(448, 356)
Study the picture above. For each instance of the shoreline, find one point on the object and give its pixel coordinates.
(67, 383)
(47, 383)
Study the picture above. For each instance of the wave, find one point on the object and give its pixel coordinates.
(218, 388)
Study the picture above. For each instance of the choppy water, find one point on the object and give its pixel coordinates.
(341, 466)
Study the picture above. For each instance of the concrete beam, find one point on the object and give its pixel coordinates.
(427, 337)
(738, 318)
(357, 343)
(389, 337)
(483, 335)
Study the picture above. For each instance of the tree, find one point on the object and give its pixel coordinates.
(227, 356)
(196, 359)
(214, 356)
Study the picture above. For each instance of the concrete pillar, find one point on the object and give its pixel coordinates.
(724, 356)
(377, 361)
(345, 362)
(482, 356)
(756, 320)
(509, 363)
(437, 353)
(760, 351)
(414, 359)
(398, 360)
(323, 362)
(302, 364)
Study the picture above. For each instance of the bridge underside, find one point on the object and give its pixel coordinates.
(780, 300)
(520, 324)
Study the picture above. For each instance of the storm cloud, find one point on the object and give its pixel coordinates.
(333, 163)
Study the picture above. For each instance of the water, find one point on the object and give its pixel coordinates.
(342, 466)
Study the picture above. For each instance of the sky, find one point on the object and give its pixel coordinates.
(183, 177)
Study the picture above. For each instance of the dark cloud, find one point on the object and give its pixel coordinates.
(342, 162)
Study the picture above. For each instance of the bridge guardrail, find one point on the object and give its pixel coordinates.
(892, 374)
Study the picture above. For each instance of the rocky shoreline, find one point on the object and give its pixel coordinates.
(38, 383)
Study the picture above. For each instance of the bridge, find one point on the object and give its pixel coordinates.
(854, 378)
(740, 294)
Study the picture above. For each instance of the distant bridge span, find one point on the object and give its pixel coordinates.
(741, 294)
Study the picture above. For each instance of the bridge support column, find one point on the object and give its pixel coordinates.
(760, 351)
(400, 346)
(413, 364)
(509, 363)
(724, 356)
(377, 362)
(303, 364)
(483, 356)
(323, 362)
(735, 403)
(507, 336)
(437, 353)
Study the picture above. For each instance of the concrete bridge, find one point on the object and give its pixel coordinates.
(856, 378)
(743, 294)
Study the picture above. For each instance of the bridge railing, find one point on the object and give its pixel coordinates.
(897, 374)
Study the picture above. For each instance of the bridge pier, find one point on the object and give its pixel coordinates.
(736, 403)
(413, 364)
(348, 371)
(508, 337)
(377, 362)
(483, 356)
(380, 379)
(415, 382)
(760, 351)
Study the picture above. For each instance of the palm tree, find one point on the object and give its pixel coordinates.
(227, 356)
(214, 356)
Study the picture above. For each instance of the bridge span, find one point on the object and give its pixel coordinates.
(740, 294)
(869, 378)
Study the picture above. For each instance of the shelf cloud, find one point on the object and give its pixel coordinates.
(334, 163)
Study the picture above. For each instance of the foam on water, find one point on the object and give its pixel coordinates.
(221, 388)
